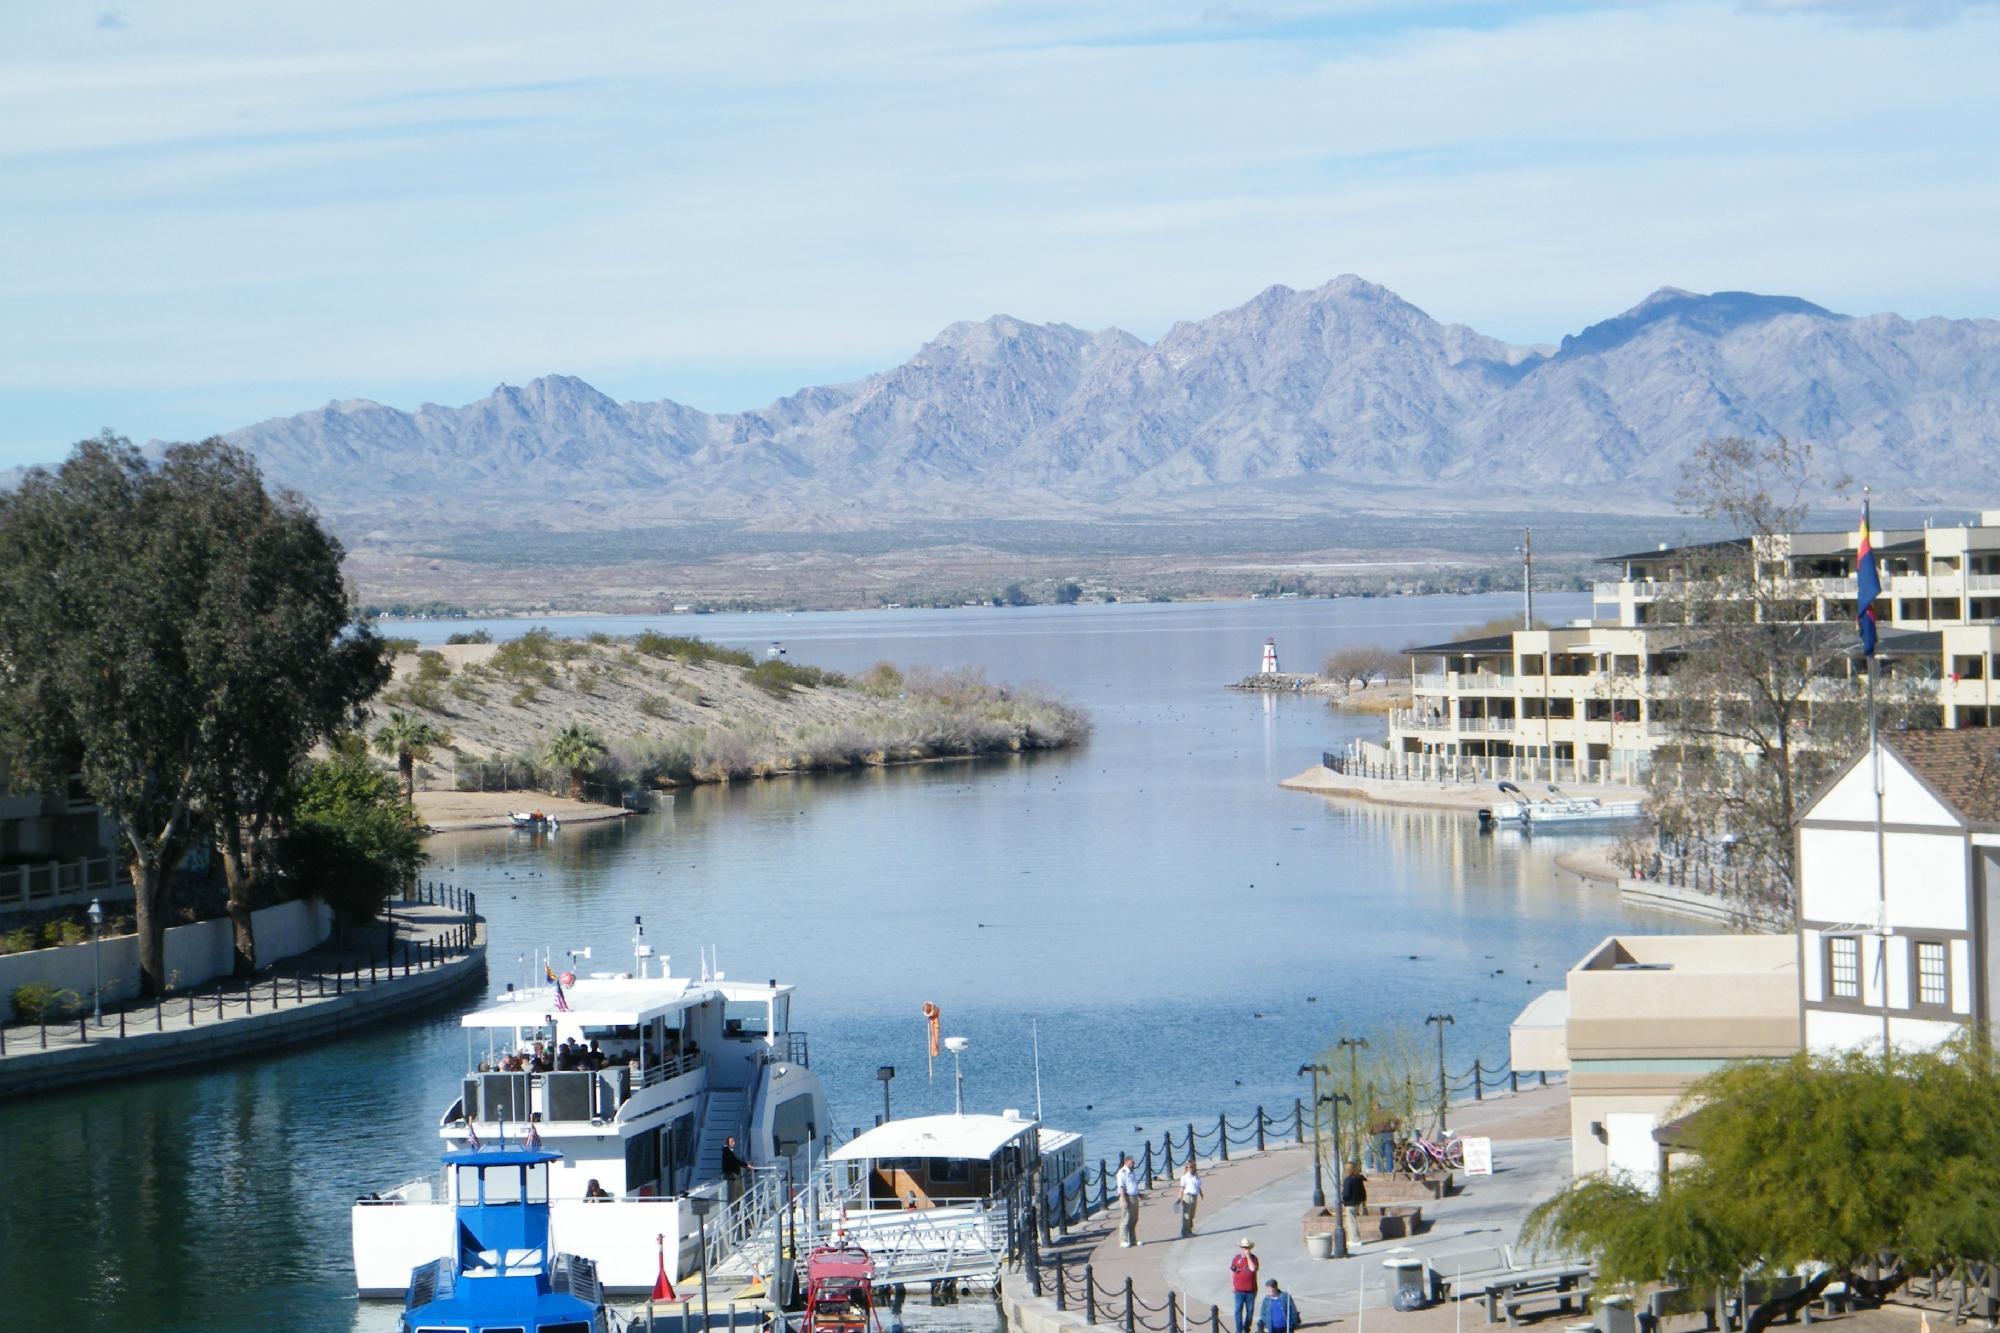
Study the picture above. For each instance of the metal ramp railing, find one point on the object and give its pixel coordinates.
(907, 1245)
(742, 1239)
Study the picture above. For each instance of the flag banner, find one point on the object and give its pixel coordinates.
(1867, 585)
(562, 1004)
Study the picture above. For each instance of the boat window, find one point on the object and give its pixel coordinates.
(567, 1326)
(538, 1182)
(950, 1171)
(468, 1185)
(792, 1126)
(745, 1018)
(442, 1328)
(503, 1184)
(501, 1328)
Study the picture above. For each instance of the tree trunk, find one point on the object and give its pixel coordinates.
(150, 921)
(576, 784)
(236, 874)
(406, 763)
(1784, 1307)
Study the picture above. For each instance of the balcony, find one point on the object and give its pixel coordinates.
(60, 883)
(1486, 724)
(1418, 719)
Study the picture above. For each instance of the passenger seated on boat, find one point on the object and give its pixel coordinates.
(566, 1055)
(594, 1192)
(596, 1056)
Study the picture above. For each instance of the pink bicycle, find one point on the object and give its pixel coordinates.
(1421, 1156)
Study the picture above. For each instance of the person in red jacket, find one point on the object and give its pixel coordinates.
(1243, 1282)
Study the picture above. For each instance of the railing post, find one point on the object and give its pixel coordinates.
(1089, 1295)
(1173, 1313)
(121, 1022)
(1062, 1215)
(1513, 1080)
(1222, 1135)
(43, 1021)
(1149, 1164)
(1103, 1188)
(274, 992)
(1478, 1085)
(1214, 1319)
(82, 1031)
(1260, 1129)
(1545, 1077)
(1299, 1120)
(1131, 1315)
(1191, 1152)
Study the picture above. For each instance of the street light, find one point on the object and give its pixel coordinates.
(96, 914)
(1353, 1046)
(1319, 1184)
(885, 1073)
(1441, 1020)
(1334, 1099)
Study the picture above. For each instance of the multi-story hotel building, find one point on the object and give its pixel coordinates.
(1578, 701)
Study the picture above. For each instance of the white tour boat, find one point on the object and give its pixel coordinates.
(1557, 810)
(671, 1069)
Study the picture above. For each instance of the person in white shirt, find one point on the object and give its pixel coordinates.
(1128, 1199)
(1190, 1198)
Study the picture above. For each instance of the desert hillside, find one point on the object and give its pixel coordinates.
(676, 710)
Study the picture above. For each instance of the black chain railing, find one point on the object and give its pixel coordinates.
(396, 959)
(1072, 1283)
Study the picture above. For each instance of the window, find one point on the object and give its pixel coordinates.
(1933, 984)
(538, 1182)
(503, 1184)
(1843, 959)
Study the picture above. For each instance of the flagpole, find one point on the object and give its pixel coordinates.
(1881, 842)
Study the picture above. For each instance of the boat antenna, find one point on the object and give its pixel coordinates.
(1035, 1036)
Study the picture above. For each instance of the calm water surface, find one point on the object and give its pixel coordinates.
(1182, 933)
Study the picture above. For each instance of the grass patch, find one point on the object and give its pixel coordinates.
(689, 650)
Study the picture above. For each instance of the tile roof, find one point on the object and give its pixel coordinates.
(1962, 766)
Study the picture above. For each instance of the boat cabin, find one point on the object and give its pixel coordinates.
(502, 1277)
(940, 1160)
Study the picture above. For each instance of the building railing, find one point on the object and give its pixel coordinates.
(57, 883)
(1393, 766)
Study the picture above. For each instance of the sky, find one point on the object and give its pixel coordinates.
(212, 213)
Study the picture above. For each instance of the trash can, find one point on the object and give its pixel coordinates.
(1319, 1245)
(1404, 1278)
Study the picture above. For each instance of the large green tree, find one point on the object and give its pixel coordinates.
(178, 635)
(1819, 1160)
(351, 838)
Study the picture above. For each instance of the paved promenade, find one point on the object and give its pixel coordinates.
(424, 954)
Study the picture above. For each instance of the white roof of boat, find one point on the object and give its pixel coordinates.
(624, 1001)
(976, 1137)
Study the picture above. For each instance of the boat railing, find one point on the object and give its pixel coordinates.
(424, 1189)
(513, 1095)
(788, 1048)
(670, 1068)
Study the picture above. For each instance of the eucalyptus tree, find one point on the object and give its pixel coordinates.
(178, 636)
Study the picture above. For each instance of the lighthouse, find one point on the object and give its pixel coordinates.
(1270, 664)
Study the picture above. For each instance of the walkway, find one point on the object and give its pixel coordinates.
(1263, 1196)
(423, 952)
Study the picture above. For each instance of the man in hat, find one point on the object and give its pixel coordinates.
(1243, 1282)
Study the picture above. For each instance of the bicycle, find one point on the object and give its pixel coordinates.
(1420, 1156)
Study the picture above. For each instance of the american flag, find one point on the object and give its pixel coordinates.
(472, 1136)
(562, 1004)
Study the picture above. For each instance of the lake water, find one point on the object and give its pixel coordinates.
(1182, 934)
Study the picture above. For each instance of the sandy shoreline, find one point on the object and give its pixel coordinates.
(459, 811)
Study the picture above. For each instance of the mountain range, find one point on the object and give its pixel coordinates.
(1342, 394)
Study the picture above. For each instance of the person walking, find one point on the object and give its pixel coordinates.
(1382, 1127)
(1128, 1200)
(1190, 1198)
(732, 1169)
(1279, 1312)
(1353, 1201)
(1243, 1282)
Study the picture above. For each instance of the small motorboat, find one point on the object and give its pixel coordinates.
(533, 819)
(1557, 810)
(502, 1272)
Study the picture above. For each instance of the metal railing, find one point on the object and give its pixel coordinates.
(53, 883)
(1470, 770)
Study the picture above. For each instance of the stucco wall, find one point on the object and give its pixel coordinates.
(194, 954)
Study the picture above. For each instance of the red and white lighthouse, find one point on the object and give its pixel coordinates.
(1270, 666)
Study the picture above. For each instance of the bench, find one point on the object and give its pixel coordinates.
(1557, 1298)
(1467, 1272)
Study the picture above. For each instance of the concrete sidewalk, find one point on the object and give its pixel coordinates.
(1264, 1196)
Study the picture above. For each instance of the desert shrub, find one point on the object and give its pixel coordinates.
(688, 690)
(586, 679)
(39, 1002)
(687, 649)
(528, 659)
(599, 638)
(471, 636)
(526, 695)
(432, 669)
(883, 678)
(652, 705)
(779, 677)
(398, 647)
(463, 689)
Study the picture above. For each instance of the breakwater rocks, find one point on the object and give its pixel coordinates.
(1286, 682)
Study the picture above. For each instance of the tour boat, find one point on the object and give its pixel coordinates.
(672, 1068)
(502, 1271)
(1557, 810)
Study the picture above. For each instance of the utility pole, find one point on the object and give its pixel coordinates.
(1443, 1092)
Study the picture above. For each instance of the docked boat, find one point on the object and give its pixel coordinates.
(503, 1272)
(532, 819)
(1558, 810)
(636, 1083)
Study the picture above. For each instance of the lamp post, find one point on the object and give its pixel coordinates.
(1319, 1183)
(1334, 1099)
(1443, 1095)
(96, 914)
(885, 1073)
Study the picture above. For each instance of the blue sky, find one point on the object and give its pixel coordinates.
(220, 212)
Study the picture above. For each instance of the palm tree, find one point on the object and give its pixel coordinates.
(409, 739)
(574, 750)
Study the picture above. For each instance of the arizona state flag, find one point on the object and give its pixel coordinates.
(1867, 585)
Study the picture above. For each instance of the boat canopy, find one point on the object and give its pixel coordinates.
(973, 1137)
(616, 1002)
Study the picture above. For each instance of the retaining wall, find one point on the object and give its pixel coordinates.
(142, 1052)
(194, 954)
(1026, 1312)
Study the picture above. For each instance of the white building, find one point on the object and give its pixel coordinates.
(1933, 885)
